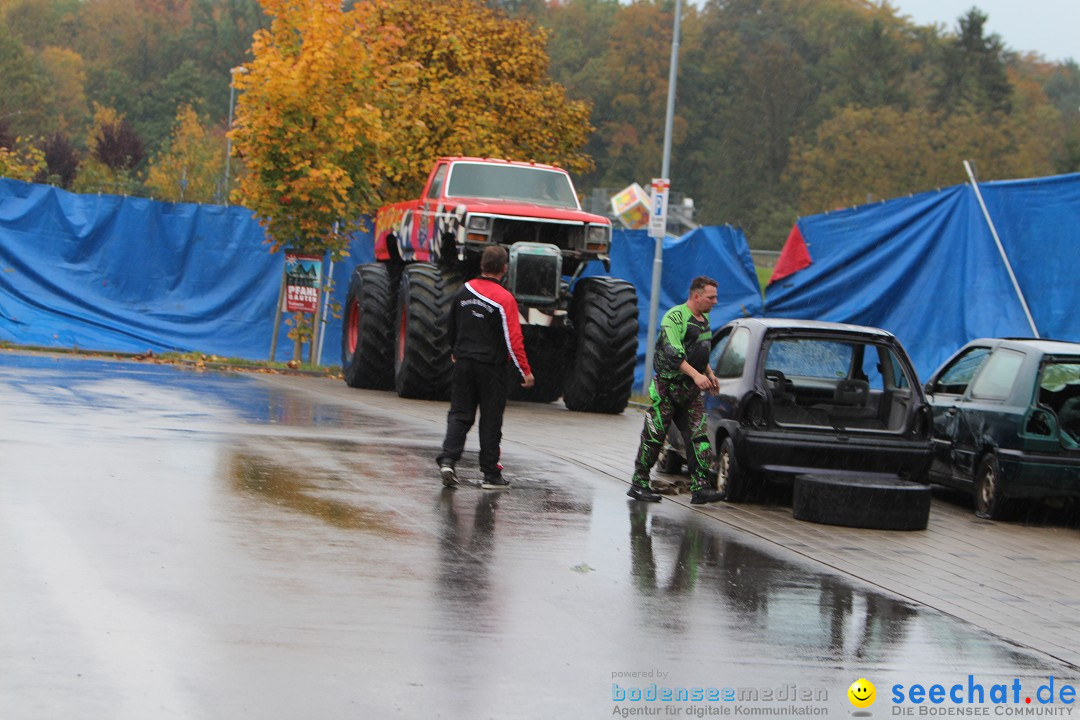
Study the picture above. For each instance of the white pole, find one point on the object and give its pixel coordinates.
(228, 138)
(658, 255)
(326, 307)
(1001, 249)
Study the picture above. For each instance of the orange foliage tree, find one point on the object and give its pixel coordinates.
(342, 111)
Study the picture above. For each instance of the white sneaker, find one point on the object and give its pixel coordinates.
(449, 475)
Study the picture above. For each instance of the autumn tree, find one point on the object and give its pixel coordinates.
(865, 154)
(61, 161)
(307, 125)
(115, 154)
(344, 110)
(190, 167)
(477, 84)
(20, 160)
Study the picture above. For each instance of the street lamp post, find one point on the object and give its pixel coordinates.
(658, 256)
(228, 135)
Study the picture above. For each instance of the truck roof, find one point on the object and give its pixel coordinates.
(497, 161)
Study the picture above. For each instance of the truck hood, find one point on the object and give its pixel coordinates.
(531, 211)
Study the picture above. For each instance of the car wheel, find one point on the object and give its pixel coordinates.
(669, 461)
(731, 480)
(989, 501)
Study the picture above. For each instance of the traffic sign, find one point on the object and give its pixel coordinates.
(658, 211)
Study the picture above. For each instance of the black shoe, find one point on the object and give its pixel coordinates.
(705, 495)
(642, 493)
(449, 475)
(495, 482)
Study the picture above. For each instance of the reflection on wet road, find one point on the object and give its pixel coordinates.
(189, 545)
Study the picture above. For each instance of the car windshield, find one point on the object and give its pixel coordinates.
(512, 182)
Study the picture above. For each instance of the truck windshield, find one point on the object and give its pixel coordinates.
(511, 182)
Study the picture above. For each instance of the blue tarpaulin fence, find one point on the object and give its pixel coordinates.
(121, 274)
(927, 269)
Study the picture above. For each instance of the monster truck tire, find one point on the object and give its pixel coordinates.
(422, 367)
(366, 337)
(604, 312)
(877, 502)
(546, 349)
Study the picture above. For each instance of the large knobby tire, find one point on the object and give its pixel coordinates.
(422, 367)
(605, 317)
(546, 350)
(366, 336)
(990, 503)
(731, 480)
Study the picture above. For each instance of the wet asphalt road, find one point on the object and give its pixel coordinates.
(177, 544)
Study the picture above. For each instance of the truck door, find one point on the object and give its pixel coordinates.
(429, 210)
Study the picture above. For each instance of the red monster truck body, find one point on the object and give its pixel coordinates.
(580, 333)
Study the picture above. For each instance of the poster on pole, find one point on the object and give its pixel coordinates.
(303, 277)
(658, 212)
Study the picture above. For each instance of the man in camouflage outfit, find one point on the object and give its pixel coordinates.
(682, 374)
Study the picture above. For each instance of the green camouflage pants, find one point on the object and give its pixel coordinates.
(680, 402)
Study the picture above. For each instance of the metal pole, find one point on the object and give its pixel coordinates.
(228, 138)
(1001, 248)
(325, 309)
(658, 255)
(277, 316)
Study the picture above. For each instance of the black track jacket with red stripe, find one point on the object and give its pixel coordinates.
(483, 325)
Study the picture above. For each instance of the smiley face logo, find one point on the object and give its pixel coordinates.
(862, 693)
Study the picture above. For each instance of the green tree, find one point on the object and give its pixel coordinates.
(974, 69)
(24, 85)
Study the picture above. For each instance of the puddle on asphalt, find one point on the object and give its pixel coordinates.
(690, 576)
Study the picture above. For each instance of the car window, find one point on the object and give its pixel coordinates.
(882, 369)
(872, 370)
(731, 354)
(1057, 375)
(995, 380)
(720, 342)
(956, 377)
(899, 377)
(810, 357)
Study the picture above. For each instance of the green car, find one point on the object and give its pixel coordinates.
(1006, 422)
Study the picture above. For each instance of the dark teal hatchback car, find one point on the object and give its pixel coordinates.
(1006, 422)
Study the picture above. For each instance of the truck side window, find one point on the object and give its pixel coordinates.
(437, 182)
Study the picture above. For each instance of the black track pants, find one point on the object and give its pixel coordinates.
(476, 385)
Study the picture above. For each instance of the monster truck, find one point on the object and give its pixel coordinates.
(580, 332)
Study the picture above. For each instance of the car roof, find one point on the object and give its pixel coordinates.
(1040, 345)
(819, 325)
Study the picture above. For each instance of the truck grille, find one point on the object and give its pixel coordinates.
(565, 237)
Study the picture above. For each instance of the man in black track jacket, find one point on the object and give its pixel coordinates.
(485, 333)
